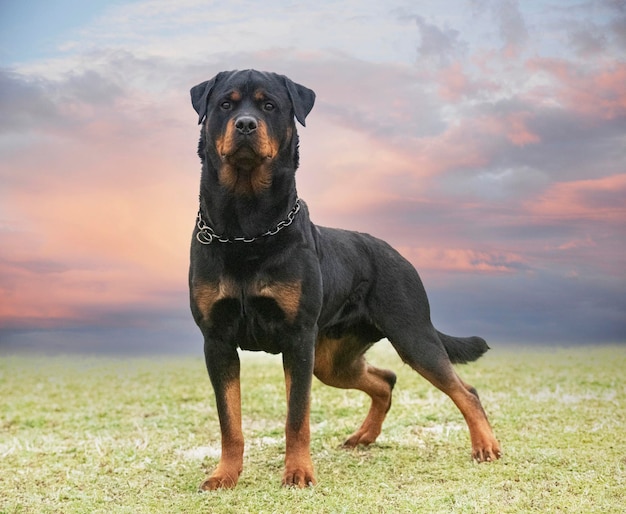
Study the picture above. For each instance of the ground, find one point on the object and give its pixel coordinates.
(137, 435)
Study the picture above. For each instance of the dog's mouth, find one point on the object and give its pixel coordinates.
(244, 169)
(246, 156)
(243, 157)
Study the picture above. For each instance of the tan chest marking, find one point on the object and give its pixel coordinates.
(285, 294)
(207, 294)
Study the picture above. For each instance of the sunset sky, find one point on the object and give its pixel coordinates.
(484, 139)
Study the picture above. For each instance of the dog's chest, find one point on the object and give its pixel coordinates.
(250, 314)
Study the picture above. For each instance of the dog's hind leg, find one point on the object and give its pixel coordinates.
(426, 354)
(341, 363)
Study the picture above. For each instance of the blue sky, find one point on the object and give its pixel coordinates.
(32, 30)
(483, 139)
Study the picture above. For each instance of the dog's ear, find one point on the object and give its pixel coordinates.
(302, 99)
(200, 96)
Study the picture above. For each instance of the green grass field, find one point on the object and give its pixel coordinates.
(137, 435)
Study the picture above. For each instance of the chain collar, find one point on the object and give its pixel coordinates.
(206, 235)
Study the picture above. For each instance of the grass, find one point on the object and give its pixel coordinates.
(136, 435)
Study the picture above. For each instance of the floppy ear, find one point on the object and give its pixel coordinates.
(200, 96)
(302, 99)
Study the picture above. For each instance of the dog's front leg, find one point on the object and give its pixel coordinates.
(223, 367)
(298, 365)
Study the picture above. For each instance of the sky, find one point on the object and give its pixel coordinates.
(484, 139)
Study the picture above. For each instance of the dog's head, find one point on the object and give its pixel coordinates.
(248, 124)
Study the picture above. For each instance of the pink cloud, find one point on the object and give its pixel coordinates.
(69, 295)
(453, 82)
(347, 169)
(515, 125)
(600, 92)
(458, 147)
(99, 221)
(469, 143)
(463, 260)
(602, 199)
(577, 243)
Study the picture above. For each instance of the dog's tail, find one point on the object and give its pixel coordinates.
(462, 350)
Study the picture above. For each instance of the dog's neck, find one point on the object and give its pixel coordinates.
(235, 214)
(245, 217)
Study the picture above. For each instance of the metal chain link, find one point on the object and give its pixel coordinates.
(206, 235)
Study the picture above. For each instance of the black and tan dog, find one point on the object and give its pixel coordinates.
(264, 277)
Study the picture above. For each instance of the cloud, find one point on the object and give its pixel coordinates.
(23, 103)
(511, 25)
(500, 176)
(601, 199)
(588, 40)
(597, 93)
(85, 229)
(508, 21)
(438, 45)
(456, 82)
(463, 260)
(194, 32)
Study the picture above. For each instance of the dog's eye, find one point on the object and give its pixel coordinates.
(226, 105)
(268, 106)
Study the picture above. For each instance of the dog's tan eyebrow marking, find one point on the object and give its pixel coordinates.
(259, 95)
(235, 95)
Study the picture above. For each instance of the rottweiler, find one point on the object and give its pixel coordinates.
(263, 277)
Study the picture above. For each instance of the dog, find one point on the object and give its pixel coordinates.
(263, 277)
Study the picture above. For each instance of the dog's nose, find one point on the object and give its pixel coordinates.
(246, 124)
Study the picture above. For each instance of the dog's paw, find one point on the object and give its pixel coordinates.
(220, 479)
(362, 437)
(299, 477)
(487, 452)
